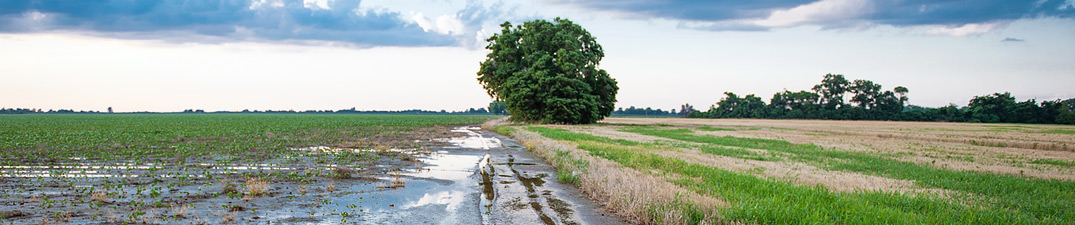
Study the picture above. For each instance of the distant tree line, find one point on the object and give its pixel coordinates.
(36, 111)
(869, 101)
(643, 112)
(471, 111)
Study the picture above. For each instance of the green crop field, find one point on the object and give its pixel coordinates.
(45, 139)
(207, 168)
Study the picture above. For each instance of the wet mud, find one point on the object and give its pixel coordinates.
(476, 177)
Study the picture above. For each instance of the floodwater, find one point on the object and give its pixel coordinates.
(481, 178)
(477, 178)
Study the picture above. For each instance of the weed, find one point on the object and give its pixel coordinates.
(99, 196)
(180, 211)
(256, 187)
(331, 187)
(342, 172)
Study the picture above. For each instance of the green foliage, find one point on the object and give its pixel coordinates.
(871, 102)
(832, 90)
(498, 108)
(732, 106)
(991, 108)
(643, 112)
(1065, 114)
(548, 72)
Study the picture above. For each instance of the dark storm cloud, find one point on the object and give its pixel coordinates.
(884, 12)
(288, 20)
(959, 12)
(690, 10)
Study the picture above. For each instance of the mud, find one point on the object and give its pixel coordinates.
(471, 177)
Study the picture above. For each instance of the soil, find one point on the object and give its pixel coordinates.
(461, 176)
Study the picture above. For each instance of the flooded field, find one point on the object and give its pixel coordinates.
(460, 175)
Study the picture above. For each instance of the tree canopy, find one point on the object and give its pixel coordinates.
(869, 101)
(548, 72)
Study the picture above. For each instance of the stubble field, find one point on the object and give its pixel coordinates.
(686, 171)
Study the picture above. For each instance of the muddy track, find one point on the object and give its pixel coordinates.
(470, 177)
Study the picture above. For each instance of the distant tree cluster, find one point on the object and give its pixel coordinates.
(471, 111)
(869, 101)
(644, 112)
(498, 108)
(34, 111)
(998, 108)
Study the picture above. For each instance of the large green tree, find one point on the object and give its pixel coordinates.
(548, 72)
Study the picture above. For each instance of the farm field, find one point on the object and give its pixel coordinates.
(687, 171)
(218, 168)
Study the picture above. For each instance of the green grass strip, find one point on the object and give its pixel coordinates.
(774, 202)
(1063, 163)
(1045, 199)
(708, 128)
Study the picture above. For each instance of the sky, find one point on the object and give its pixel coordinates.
(172, 55)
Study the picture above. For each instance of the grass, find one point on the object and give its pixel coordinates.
(708, 128)
(1063, 163)
(570, 167)
(1044, 199)
(1058, 131)
(992, 198)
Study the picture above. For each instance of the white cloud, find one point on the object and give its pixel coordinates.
(444, 24)
(820, 11)
(971, 29)
(480, 36)
(422, 21)
(255, 4)
(830, 13)
(316, 4)
(450, 25)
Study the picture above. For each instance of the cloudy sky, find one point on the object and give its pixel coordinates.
(172, 55)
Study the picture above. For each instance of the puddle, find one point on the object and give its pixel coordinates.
(443, 186)
(488, 191)
(473, 139)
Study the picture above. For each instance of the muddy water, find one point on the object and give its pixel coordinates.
(481, 178)
(478, 178)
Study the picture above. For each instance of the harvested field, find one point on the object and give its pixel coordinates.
(1018, 149)
(809, 171)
